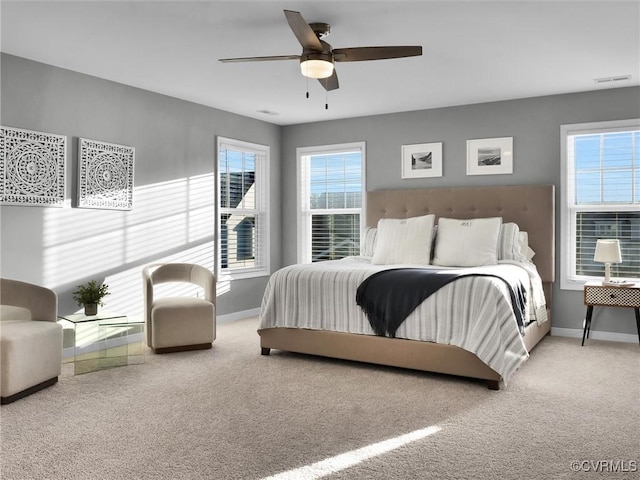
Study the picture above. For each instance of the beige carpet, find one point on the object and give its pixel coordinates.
(230, 413)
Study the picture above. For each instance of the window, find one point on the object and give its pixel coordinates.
(331, 189)
(243, 224)
(601, 198)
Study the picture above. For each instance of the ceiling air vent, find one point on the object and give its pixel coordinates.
(619, 78)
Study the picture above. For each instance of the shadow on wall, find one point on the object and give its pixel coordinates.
(170, 221)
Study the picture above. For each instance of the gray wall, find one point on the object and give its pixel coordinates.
(534, 124)
(173, 216)
(175, 158)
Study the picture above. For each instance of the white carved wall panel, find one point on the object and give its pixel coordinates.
(32, 167)
(105, 175)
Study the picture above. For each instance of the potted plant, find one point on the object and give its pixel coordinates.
(90, 295)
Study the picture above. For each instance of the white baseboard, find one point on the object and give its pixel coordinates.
(595, 335)
(230, 317)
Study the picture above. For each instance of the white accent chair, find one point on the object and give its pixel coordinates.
(30, 339)
(179, 323)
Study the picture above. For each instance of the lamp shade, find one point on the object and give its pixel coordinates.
(608, 251)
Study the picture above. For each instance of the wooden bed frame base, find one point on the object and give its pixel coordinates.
(393, 352)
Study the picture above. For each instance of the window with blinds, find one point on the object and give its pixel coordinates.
(242, 210)
(331, 181)
(602, 197)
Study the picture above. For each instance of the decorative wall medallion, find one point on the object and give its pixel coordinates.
(32, 168)
(105, 175)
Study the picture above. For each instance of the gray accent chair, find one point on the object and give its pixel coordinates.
(179, 323)
(30, 339)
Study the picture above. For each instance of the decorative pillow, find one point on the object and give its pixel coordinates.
(509, 247)
(368, 239)
(467, 243)
(404, 240)
(525, 249)
(434, 236)
(530, 254)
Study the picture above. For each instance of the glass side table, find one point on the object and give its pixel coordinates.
(105, 340)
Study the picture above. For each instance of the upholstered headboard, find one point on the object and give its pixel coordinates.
(532, 207)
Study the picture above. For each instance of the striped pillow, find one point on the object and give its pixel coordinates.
(509, 244)
(368, 239)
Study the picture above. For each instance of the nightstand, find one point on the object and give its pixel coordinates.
(598, 295)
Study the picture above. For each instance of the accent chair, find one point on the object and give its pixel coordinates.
(177, 323)
(30, 339)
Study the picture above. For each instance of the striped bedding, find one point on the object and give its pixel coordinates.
(473, 313)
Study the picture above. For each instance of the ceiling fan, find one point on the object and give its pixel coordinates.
(318, 57)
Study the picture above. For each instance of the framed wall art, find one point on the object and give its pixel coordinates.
(32, 168)
(105, 175)
(490, 156)
(422, 160)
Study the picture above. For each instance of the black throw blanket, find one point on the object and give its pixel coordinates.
(388, 297)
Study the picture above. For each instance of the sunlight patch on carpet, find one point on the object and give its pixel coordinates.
(349, 459)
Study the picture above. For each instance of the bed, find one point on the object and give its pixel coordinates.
(531, 207)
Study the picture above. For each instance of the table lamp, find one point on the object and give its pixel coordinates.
(607, 252)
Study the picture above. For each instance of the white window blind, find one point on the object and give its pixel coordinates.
(602, 197)
(242, 210)
(331, 189)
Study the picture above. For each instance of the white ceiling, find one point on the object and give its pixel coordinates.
(474, 51)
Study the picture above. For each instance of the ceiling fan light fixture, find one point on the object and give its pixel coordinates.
(318, 56)
(316, 65)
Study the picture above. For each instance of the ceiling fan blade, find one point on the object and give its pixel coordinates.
(303, 32)
(330, 83)
(260, 59)
(359, 54)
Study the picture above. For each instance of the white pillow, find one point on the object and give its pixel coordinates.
(525, 249)
(509, 244)
(404, 240)
(368, 239)
(467, 243)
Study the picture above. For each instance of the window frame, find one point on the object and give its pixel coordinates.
(263, 250)
(569, 280)
(303, 217)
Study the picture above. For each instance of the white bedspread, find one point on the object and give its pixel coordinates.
(473, 313)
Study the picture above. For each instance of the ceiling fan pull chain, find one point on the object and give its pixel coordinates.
(326, 94)
(307, 86)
